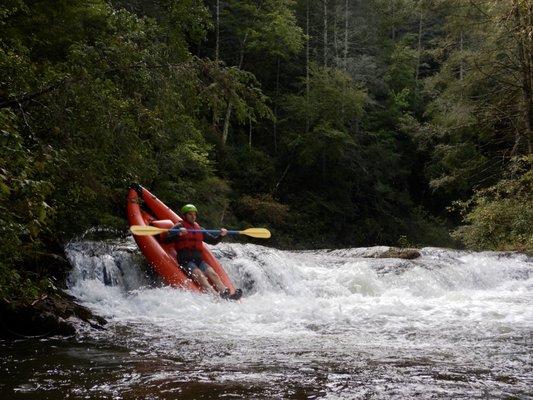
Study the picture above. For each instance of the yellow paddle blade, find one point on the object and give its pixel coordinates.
(142, 230)
(260, 233)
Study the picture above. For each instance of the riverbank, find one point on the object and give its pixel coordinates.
(52, 313)
(33, 301)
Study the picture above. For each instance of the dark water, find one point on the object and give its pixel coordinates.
(313, 325)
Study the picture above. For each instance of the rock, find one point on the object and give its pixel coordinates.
(57, 266)
(377, 252)
(395, 252)
(50, 315)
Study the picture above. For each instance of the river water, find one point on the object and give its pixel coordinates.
(311, 325)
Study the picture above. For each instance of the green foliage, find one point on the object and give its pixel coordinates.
(321, 117)
(421, 104)
(276, 31)
(19, 287)
(251, 170)
(263, 209)
(474, 98)
(259, 27)
(24, 211)
(347, 181)
(401, 71)
(102, 99)
(499, 217)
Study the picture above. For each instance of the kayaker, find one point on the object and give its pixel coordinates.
(189, 252)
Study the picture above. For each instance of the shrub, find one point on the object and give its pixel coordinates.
(501, 217)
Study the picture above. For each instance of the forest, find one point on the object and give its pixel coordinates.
(334, 123)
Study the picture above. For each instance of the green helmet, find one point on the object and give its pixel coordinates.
(188, 208)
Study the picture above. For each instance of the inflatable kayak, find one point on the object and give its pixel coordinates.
(143, 208)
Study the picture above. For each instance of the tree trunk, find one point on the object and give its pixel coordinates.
(217, 54)
(419, 42)
(528, 73)
(217, 28)
(461, 63)
(324, 166)
(230, 106)
(393, 16)
(243, 46)
(307, 68)
(226, 124)
(346, 36)
(525, 50)
(335, 38)
(276, 108)
(325, 33)
(250, 132)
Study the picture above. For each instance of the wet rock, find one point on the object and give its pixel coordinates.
(379, 252)
(406, 254)
(50, 315)
(57, 266)
(374, 252)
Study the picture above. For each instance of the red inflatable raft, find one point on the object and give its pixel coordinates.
(144, 208)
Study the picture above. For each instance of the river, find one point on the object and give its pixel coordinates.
(312, 325)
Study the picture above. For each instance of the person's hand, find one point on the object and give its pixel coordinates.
(223, 232)
(183, 231)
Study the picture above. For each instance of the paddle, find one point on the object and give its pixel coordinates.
(142, 230)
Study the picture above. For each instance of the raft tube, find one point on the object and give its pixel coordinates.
(143, 208)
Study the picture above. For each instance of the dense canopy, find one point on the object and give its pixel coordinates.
(333, 122)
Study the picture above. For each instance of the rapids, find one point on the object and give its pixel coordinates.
(312, 324)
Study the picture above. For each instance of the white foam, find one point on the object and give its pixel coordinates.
(323, 306)
(311, 286)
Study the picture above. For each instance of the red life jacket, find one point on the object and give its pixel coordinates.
(190, 241)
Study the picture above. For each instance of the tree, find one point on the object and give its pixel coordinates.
(266, 27)
(480, 112)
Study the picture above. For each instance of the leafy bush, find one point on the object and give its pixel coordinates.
(501, 217)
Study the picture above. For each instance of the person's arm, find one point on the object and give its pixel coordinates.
(174, 233)
(214, 239)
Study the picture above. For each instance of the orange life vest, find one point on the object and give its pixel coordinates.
(190, 241)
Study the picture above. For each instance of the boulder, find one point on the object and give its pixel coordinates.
(51, 314)
(395, 252)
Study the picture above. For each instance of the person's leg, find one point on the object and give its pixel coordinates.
(224, 291)
(213, 276)
(199, 277)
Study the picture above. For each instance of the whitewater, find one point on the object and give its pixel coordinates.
(324, 324)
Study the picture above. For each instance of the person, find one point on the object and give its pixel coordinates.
(189, 252)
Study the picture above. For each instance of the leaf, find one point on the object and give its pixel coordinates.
(4, 189)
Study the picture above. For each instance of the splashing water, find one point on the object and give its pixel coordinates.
(314, 324)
